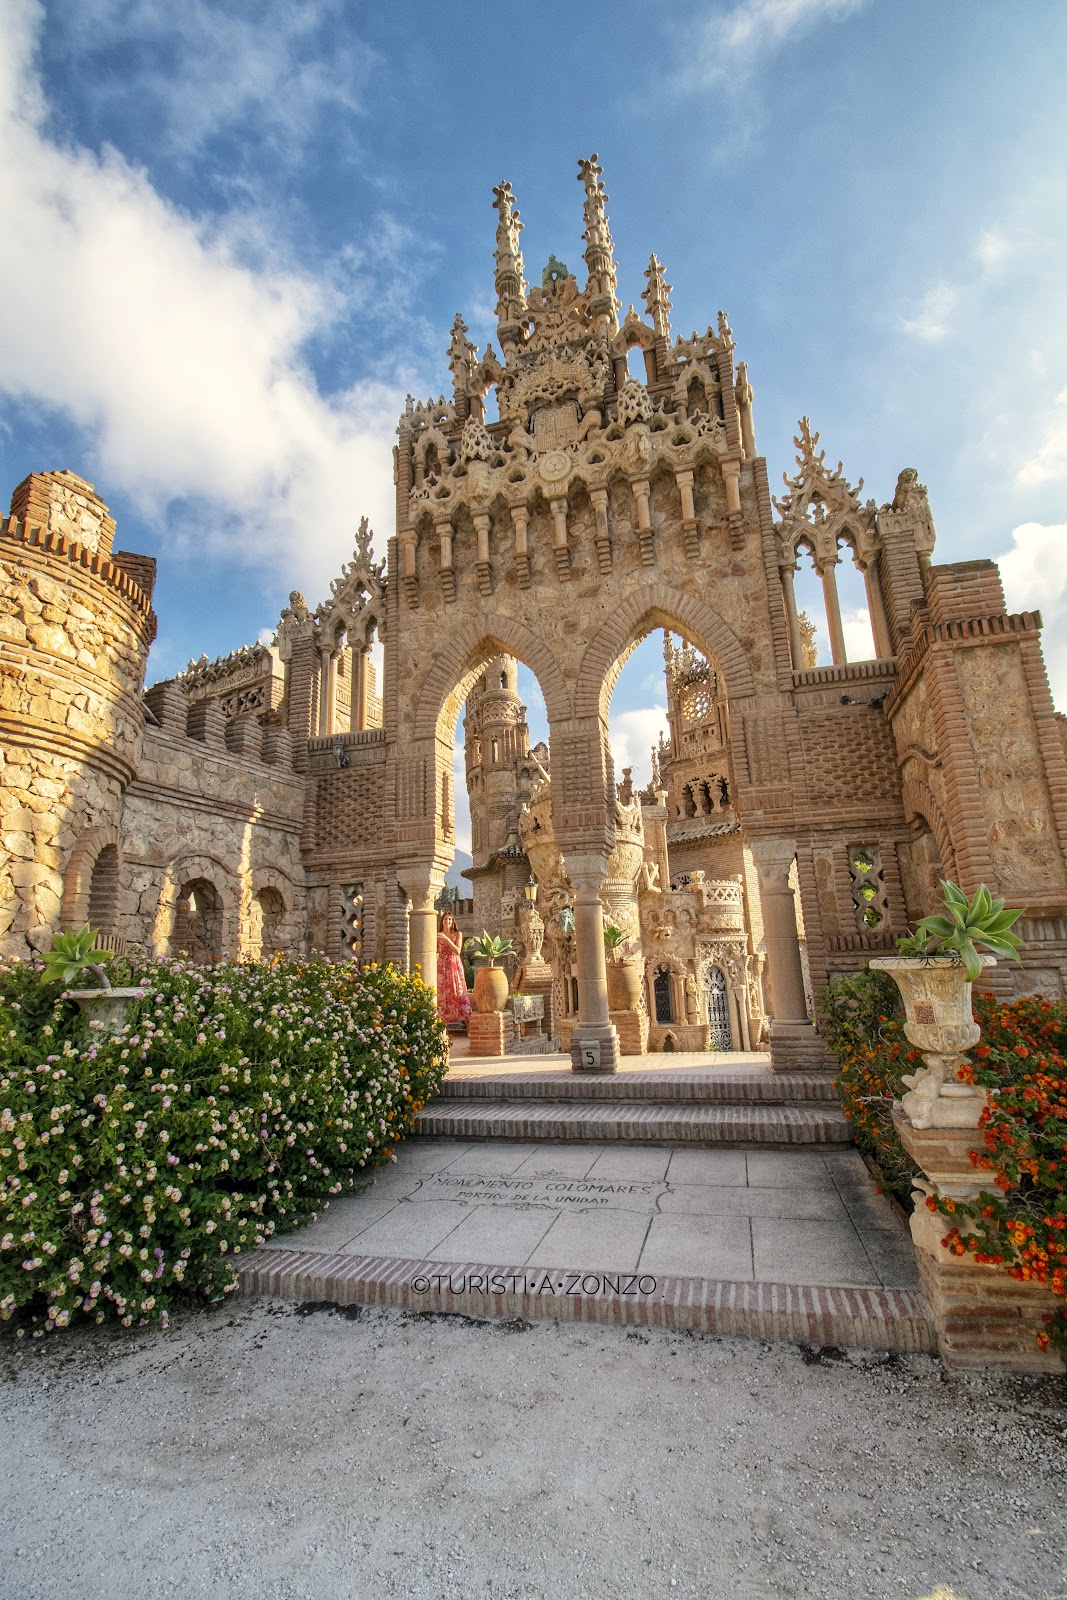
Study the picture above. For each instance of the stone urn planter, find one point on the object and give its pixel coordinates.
(490, 988)
(938, 1021)
(624, 985)
(104, 1006)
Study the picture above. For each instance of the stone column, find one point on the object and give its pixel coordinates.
(796, 642)
(422, 885)
(327, 692)
(876, 606)
(828, 575)
(795, 1045)
(594, 1041)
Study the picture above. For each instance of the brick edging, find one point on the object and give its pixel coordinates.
(866, 1318)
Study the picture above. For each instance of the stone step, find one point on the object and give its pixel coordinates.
(766, 1127)
(741, 1088)
(868, 1318)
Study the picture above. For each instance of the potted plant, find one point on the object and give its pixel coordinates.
(934, 971)
(490, 981)
(74, 954)
(624, 977)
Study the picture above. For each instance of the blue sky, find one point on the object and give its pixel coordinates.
(237, 234)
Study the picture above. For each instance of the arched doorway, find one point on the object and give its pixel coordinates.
(717, 1002)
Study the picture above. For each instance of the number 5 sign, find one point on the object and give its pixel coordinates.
(591, 1055)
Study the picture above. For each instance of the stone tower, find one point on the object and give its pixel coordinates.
(501, 773)
(76, 626)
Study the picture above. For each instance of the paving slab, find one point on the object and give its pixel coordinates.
(410, 1228)
(495, 1234)
(808, 1252)
(593, 1241)
(558, 1160)
(698, 1246)
(715, 1167)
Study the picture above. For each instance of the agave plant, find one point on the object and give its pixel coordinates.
(489, 947)
(966, 927)
(72, 954)
(615, 941)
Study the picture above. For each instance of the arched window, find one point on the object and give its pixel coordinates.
(266, 918)
(198, 922)
(661, 995)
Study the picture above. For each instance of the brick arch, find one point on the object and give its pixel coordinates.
(920, 805)
(78, 877)
(658, 606)
(460, 660)
(184, 869)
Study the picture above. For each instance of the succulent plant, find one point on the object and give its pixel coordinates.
(489, 947)
(966, 927)
(72, 954)
(615, 941)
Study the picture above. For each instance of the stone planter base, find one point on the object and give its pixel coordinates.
(594, 1048)
(491, 1033)
(983, 1317)
(632, 1029)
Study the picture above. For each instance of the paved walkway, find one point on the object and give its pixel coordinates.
(747, 1216)
(765, 1242)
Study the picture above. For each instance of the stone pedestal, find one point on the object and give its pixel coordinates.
(984, 1317)
(490, 1033)
(632, 1030)
(594, 1047)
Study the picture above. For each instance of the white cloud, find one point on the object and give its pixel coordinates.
(1049, 461)
(994, 251)
(932, 319)
(1034, 571)
(734, 41)
(859, 640)
(183, 366)
(272, 69)
(632, 734)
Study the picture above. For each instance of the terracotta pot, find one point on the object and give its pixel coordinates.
(490, 988)
(624, 985)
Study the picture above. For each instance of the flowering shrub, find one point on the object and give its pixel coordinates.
(236, 1100)
(1021, 1221)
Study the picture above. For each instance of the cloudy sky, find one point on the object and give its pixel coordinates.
(237, 232)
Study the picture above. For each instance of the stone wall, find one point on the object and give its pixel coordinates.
(195, 814)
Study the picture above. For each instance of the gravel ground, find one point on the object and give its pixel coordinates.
(269, 1450)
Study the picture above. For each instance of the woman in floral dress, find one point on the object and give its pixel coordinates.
(453, 1001)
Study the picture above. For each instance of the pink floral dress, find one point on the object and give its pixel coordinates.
(453, 1001)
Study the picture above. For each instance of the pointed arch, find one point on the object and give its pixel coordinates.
(459, 661)
(658, 606)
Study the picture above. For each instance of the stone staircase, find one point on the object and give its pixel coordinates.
(758, 1109)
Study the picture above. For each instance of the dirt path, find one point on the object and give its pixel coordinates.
(265, 1450)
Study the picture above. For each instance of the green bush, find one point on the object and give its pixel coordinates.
(862, 1020)
(237, 1100)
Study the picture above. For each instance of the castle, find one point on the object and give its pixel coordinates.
(798, 818)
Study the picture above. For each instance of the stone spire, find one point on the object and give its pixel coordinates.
(510, 269)
(599, 246)
(462, 358)
(657, 298)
